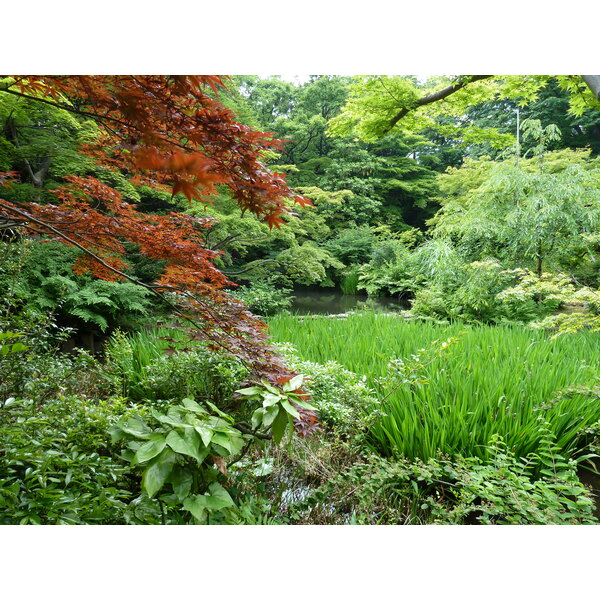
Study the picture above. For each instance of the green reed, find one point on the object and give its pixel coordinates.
(496, 379)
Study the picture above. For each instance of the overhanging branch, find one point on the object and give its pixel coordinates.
(435, 97)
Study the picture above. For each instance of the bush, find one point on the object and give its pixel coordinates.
(144, 367)
(45, 281)
(473, 293)
(56, 466)
(389, 272)
(38, 369)
(343, 399)
(263, 298)
(579, 307)
(350, 246)
(394, 269)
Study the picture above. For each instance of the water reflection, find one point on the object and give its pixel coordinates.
(333, 302)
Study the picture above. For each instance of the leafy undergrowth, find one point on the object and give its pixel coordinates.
(153, 437)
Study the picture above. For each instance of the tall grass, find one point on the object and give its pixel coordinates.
(349, 283)
(498, 379)
(128, 356)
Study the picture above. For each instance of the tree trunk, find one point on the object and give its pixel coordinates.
(593, 82)
(37, 177)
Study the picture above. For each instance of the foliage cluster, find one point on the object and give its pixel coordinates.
(487, 427)
(264, 298)
(457, 491)
(41, 277)
(154, 366)
(343, 400)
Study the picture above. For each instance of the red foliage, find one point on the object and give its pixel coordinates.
(162, 131)
(169, 130)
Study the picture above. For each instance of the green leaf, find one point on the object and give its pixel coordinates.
(196, 505)
(290, 409)
(18, 347)
(304, 404)
(150, 449)
(271, 399)
(158, 472)
(193, 406)
(250, 391)
(269, 387)
(257, 417)
(168, 419)
(206, 433)
(219, 411)
(279, 425)
(188, 443)
(181, 479)
(231, 442)
(294, 383)
(136, 427)
(116, 433)
(219, 497)
(270, 414)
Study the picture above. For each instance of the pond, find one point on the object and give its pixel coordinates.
(333, 302)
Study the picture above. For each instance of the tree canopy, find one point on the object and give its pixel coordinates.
(169, 133)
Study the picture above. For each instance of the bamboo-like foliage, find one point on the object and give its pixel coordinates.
(497, 380)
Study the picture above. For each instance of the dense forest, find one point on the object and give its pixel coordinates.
(156, 233)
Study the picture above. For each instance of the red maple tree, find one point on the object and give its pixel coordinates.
(162, 131)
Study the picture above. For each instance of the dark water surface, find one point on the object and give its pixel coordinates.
(333, 302)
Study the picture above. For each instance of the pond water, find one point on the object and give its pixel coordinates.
(333, 302)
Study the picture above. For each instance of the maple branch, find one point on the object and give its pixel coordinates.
(435, 97)
(46, 226)
(4, 87)
(10, 225)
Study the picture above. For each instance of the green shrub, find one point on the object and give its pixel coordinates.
(199, 373)
(38, 369)
(390, 270)
(144, 367)
(45, 282)
(563, 323)
(264, 298)
(352, 245)
(56, 465)
(343, 399)
(470, 293)
(182, 452)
